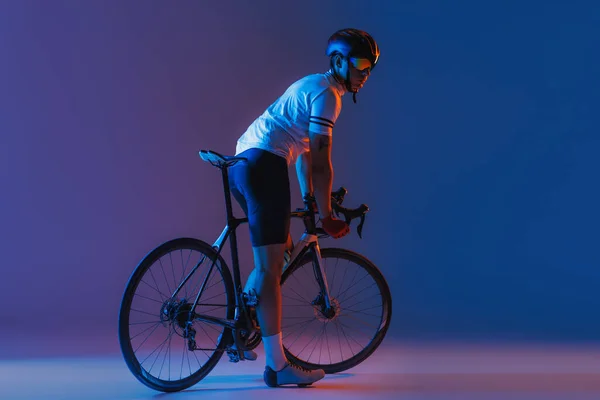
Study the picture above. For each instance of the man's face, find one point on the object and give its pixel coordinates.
(360, 69)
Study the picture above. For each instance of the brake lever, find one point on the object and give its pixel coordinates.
(348, 218)
(360, 226)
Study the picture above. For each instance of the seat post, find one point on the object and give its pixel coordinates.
(232, 224)
(227, 190)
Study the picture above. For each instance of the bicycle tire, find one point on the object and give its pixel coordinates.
(124, 314)
(386, 300)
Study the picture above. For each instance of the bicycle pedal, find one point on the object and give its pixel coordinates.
(234, 356)
(251, 299)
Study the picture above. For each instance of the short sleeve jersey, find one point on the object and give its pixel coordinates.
(311, 104)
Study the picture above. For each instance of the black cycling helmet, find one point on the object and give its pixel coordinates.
(352, 42)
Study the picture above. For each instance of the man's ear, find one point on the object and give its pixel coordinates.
(338, 61)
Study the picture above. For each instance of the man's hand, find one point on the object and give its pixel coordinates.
(336, 228)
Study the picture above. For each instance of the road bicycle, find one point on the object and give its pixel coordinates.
(195, 310)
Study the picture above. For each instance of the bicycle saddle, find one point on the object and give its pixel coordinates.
(219, 160)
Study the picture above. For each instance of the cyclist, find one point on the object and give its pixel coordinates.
(295, 129)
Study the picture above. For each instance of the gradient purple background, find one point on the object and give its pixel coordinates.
(475, 143)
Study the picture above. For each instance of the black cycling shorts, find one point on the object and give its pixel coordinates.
(262, 188)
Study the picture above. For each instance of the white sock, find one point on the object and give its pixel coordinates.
(274, 352)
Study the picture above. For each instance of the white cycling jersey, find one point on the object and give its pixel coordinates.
(311, 104)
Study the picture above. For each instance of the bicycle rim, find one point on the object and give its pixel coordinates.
(152, 323)
(361, 301)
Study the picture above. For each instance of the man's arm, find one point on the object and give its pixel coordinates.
(322, 171)
(303, 171)
(324, 112)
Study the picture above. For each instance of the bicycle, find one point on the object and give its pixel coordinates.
(182, 314)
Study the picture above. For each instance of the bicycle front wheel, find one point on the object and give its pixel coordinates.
(160, 347)
(338, 339)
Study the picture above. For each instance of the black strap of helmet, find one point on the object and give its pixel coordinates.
(348, 83)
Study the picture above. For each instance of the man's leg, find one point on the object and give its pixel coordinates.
(268, 265)
(268, 261)
(250, 282)
(265, 186)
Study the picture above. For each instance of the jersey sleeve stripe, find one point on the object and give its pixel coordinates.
(322, 123)
(311, 118)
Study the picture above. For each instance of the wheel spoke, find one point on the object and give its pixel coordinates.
(156, 321)
(361, 311)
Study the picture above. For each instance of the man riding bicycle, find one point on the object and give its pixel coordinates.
(296, 128)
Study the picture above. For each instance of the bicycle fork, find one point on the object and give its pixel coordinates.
(310, 243)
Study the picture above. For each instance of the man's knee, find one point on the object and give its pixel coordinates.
(268, 259)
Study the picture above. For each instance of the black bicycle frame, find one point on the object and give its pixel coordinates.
(229, 232)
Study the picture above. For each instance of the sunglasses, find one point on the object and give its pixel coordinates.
(360, 63)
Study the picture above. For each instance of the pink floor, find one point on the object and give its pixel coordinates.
(395, 371)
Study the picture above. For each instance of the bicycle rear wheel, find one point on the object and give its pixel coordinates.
(152, 322)
(362, 306)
